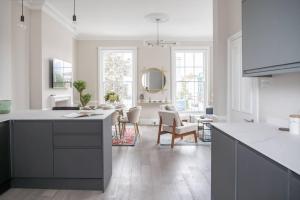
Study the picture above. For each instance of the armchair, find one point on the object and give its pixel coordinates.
(170, 123)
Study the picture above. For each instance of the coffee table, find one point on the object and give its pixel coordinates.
(204, 126)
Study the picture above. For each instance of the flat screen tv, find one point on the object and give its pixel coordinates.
(61, 76)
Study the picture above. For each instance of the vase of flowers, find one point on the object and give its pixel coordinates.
(111, 97)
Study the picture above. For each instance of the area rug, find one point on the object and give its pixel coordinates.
(165, 140)
(129, 138)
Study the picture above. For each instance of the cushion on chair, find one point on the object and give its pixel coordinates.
(170, 108)
(169, 116)
(187, 127)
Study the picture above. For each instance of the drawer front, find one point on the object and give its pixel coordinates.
(78, 163)
(77, 134)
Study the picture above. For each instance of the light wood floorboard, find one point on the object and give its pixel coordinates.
(144, 172)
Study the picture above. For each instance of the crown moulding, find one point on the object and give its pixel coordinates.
(50, 10)
(33, 4)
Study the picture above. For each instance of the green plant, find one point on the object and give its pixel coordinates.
(84, 98)
(111, 96)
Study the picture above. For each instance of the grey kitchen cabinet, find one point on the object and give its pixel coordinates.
(62, 154)
(78, 149)
(80, 134)
(271, 30)
(32, 149)
(77, 163)
(258, 177)
(222, 166)
(4, 156)
(242, 173)
(294, 186)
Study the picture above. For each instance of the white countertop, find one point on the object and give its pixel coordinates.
(280, 146)
(52, 115)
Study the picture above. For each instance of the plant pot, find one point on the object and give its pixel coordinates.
(5, 106)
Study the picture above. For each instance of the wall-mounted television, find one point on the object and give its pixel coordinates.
(61, 76)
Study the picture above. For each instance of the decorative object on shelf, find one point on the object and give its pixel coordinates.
(153, 80)
(21, 23)
(84, 98)
(158, 18)
(111, 97)
(5, 106)
(142, 97)
(153, 101)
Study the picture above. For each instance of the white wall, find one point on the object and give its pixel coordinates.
(87, 65)
(227, 21)
(36, 83)
(25, 55)
(5, 50)
(57, 42)
(20, 58)
(279, 97)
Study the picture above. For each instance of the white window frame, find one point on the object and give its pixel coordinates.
(100, 92)
(207, 72)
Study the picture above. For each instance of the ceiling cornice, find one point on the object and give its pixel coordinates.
(59, 17)
(33, 5)
(179, 39)
(50, 10)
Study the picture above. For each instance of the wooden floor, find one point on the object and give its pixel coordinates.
(143, 172)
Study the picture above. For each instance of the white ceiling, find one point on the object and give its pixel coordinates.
(124, 19)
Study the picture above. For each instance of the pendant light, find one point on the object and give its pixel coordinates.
(158, 18)
(21, 23)
(74, 15)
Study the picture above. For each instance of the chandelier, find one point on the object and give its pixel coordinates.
(158, 18)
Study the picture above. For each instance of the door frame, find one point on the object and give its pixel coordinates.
(255, 82)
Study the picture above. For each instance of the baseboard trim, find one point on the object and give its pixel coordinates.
(58, 183)
(4, 186)
(149, 121)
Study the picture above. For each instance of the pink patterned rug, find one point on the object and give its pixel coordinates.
(128, 139)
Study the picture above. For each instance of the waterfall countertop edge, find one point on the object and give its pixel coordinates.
(281, 147)
(52, 115)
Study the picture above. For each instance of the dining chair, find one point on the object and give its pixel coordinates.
(133, 117)
(116, 122)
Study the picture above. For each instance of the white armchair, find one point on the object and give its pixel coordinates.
(170, 123)
(169, 107)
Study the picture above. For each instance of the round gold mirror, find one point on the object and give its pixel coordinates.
(153, 80)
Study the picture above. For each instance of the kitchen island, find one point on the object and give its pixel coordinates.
(49, 150)
(254, 161)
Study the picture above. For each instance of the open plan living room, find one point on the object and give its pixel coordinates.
(149, 100)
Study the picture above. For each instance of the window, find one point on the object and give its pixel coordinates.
(189, 71)
(118, 73)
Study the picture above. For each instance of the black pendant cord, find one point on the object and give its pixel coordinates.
(22, 16)
(74, 15)
(157, 31)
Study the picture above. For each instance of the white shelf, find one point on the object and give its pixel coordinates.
(153, 102)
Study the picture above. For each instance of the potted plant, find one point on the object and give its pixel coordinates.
(80, 85)
(111, 97)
